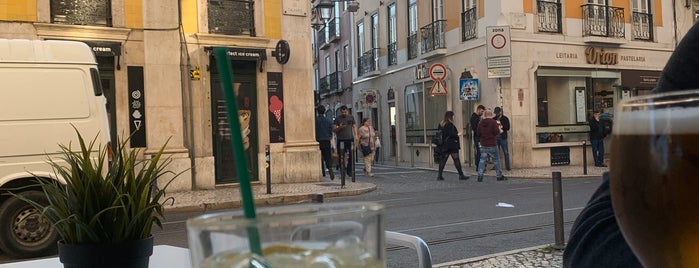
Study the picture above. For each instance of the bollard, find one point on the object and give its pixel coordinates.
(317, 198)
(268, 169)
(341, 162)
(412, 155)
(558, 211)
(584, 157)
(354, 157)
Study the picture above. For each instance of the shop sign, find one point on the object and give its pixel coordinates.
(137, 107)
(594, 55)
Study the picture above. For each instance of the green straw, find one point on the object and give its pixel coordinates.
(224, 70)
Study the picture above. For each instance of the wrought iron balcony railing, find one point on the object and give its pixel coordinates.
(334, 81)
(80, 12)
(642, 26)
(549, 14)
(605, 21)
(232, 17)
(469, 24)
(324, 85)
(333, 28)
(412, 46)
(433, 36)
(322, 36)
(369, 61)
(392, 54)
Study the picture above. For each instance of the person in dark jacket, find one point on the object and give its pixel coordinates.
(475, 119)
(488, 130)
(595, 238)
(450, 146)
(597, 135)
(324, 131)
(502, 138)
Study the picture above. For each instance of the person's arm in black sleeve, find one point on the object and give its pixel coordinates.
(505, 122)
(595, 238)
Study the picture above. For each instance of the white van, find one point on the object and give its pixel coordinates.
(46, 88)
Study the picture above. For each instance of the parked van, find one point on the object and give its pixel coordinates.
(46, 88)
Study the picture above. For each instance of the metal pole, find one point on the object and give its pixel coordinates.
(341, 162)
(584, 157)
(412, 155)
(558, 211)
(268, 169)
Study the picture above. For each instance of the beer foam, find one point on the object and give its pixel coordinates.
(675, 120)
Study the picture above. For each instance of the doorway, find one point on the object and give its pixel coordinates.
(245, 87)
(105, 66)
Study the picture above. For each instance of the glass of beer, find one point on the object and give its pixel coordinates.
(342, 235)
(655, 177)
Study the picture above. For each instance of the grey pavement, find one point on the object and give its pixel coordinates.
(229, 197)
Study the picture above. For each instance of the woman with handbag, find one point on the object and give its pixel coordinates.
(450, 146)
(366, 144)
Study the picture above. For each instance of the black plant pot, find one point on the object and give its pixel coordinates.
(133, 254)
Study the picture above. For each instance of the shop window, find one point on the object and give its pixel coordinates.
(422, 113)
(565, 104)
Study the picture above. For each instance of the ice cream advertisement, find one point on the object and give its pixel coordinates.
(275, 95)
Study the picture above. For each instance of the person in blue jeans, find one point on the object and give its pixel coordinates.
(488, 130)
(597, 135)
(502, 138)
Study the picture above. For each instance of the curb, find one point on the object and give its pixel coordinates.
(263, 200)
(485, 257)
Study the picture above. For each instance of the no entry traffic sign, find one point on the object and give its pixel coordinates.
(498, 41)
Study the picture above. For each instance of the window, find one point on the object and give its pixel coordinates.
(469, 20)
(392, 50)
(346, 52)
(375, 39)
(566, 99)
(438, 9)
(360, 39)
(422, 113)
(412, 29)
(642, 20)
(77, 12)
(232, 17)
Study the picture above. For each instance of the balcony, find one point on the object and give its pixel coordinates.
(322, 37)
(79, 12)
(642, 26)
(412, 46)
(333, 28)
(232, 17)
(368, 63)
(433, 40)
(331, 84)
(392, 54)
(469, 24)
(603, 24)
(549, 14)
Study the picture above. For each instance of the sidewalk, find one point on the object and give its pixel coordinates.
(228, 197)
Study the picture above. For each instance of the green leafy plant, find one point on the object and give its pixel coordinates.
(104, 201)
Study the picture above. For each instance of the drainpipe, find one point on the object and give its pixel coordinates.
(186, 93)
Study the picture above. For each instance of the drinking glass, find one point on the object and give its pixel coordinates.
(655, 177)
(347, 234)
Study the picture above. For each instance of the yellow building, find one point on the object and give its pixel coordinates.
(160, 78)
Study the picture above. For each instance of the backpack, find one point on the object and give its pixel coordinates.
(438, 138)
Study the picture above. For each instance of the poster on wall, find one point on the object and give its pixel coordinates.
(137, 110)
(468, 89)
(580, 104)
(275, 102)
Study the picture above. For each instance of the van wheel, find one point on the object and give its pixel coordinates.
(24, 232)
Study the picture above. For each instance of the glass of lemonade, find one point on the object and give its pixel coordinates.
(342, 235)
(655, 177)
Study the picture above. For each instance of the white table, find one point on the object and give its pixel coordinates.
(163, 257)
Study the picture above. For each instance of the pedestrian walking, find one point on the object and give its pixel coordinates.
(450, 145)
(488, 130)
(366, 143)
(504, 122)
(377, 146)
(475, 119)
(597, 135)
(345, 128)
(324, 131)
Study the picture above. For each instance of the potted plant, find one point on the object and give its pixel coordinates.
(105, 208)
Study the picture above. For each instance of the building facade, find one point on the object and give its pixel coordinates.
(159, 75)
(548, 64)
